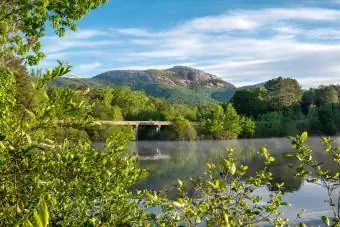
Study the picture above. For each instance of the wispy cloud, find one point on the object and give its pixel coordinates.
(89, 67)
(239, 45)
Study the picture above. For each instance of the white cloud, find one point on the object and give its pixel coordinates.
(242, 46)
(133, 32)
(89, 67)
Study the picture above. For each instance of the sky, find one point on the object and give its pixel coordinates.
(242, 41)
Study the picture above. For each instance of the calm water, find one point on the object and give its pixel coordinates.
(169, 161)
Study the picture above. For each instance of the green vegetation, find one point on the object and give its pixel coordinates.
(182, 129)
(182, 85)
(122, 103)
(281, 108)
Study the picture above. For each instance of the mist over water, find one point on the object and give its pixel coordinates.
(168, 161)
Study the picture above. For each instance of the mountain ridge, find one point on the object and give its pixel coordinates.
(177, 75)
(178, 84)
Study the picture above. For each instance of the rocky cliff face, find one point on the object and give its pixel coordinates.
(178, 75)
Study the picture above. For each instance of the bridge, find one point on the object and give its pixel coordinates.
(154, 129)
(136, 123)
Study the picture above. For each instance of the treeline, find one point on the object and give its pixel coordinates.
(281, 108)
(278, 108)
(208, 121)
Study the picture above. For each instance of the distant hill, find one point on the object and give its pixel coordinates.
(179, 84)
(178, 75)
(252, 87)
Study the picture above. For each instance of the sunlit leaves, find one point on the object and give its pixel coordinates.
(224, 198)
(325, 220)
(23, 24)
(316, 172)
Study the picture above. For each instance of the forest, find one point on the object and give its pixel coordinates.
(278, 108)
(281, 108)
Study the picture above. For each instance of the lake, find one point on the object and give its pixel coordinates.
(168, 161)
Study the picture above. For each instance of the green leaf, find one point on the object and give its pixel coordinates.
(325, 220)
(28, 223)
(30, 113)
(304, 136)
(43, 212)
(37, 219)
(177, 204)
(271, 159)
(232, 168)
(29, 139)
(180, 183)
(264, 151)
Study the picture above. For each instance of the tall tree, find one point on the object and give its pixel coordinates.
(283, 92)
(327, 120)
(307, 99)
(232, 124)
(250, 102)
(326, 95)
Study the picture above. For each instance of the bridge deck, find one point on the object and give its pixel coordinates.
(136, 123)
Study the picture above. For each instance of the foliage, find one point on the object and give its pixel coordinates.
(182, 129)
(219, 122)
(178, 94)
(269, 124)
(23, 24)
(250, 102)
(99, 132)
(248, 127)
(86, 184)
(283, 92)
(327, 120)
(40, 216)
(317, 173)
(232, 122)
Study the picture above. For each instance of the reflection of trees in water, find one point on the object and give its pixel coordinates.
(188, 159)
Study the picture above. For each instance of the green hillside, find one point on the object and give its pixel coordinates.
(179, 84)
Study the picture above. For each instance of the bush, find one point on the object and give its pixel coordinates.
(182, 129)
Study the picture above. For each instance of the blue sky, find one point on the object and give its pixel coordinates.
(241, 41)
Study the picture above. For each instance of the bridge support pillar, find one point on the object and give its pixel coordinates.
(158, 129)
(136, 131)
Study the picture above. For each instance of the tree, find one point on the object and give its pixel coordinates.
(212, 119)
(86, 184)
(326, 95)
(248, 127)
(23, 24)
(250, 102)
(117, 113)
(182, 129)
(270, 124)
(314, 124)
(23, 83)
(231, 126)
(308, 99)
(283, 93)
(327, 120)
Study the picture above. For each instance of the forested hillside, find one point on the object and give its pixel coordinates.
(178, 84)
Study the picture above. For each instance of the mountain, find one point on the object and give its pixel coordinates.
(179, 84)
(178, 75)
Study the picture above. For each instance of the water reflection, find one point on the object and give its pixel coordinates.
(169, 161)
